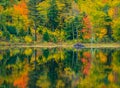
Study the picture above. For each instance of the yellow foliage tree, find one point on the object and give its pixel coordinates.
(111, 77)
(1, 57)
(102, 33)
(102, 57)
(60, 84)
(43, 82)
(28, 51)
(111, 12)
(28, 39)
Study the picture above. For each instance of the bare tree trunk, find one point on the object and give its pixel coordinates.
(35, 55)
(35, 28)
(72, 31)
(77, 34)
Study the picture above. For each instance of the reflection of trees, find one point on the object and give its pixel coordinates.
(102, 73)
(72, 61)
(51, 62)
(61, 68)
(109, 57)
(116, 66)
(52, 73)
(13, 65)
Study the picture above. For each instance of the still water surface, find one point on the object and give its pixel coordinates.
(59, 68)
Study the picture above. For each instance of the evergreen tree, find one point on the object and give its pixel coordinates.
(34, 14)
(73, 26)
(46, 36)
(53, 15)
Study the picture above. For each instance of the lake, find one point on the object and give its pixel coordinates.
(59, 68)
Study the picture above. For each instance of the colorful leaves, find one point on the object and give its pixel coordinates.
(104, 1)
(102, 33)
(87, 36)
(43, 82)
(86, 33)
(21, 9)
(22, 81)
(1, 57)
(87, 54)
(86, 69)
(1, 8)
(83, 30)
(42, 7)
(1, 81)
(87, 28)
(28, 52)
(28, 39)
(86, 62)
(68, 72)
(60, 84)
(116, 27)
(87, 22)
(111, 12)
(1, 33)
(111, 77)
(102, 57)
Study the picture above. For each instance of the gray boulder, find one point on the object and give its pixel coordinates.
(78, 46)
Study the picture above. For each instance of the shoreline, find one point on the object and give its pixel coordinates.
(63, 45)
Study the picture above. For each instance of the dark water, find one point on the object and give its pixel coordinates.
(59, 68)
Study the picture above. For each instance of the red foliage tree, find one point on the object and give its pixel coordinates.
(87, 28)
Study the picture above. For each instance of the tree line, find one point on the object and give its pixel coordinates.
(59, 20)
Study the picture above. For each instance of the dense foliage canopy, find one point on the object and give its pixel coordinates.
(60, 20)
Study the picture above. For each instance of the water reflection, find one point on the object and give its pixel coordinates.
(59, 68)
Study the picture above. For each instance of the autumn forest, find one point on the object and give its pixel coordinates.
(59, 43)
(57, 21)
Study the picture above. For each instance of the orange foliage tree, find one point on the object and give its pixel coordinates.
(21, 9)
(22, 81)
(20, 15)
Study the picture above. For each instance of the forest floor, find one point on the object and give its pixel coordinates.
(63, 45)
